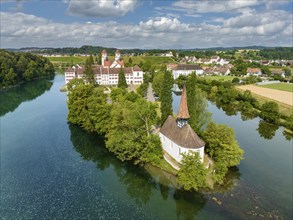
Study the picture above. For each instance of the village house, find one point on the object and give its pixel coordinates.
(253, 72)
(108, 72)
(184, 69)
(278, 72)
(177, 136)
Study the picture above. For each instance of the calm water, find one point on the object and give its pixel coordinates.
(53, 170)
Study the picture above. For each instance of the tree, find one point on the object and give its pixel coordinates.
(270, 112)
(87, 107)
(235, 80)
(30, 72)
(223, 148)
(74, 83)
(192, 174)
(89, 73)
(221, 144)
(99, 59)
(10, 78)
(166, 96)
(197, 105)
(122, 80)
(158, 83)
(129, 131)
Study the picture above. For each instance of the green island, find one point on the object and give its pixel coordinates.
(127, 121)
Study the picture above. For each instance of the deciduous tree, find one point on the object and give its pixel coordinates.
(192, 174)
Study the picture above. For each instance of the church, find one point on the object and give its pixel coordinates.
(108, 72)
(177, 136)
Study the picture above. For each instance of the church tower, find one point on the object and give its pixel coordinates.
(104, 57)
(117, 55)
(183, 114)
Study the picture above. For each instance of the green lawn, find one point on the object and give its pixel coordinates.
(280, 86)
(68, 59)
(221, 78)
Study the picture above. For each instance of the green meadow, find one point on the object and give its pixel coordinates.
(280, 86)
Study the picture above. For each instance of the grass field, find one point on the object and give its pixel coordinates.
(74, 60)
(220, 78)
(288, 87)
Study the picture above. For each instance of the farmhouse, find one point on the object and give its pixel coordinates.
(177, 137)
(108, 72)
(184, 69)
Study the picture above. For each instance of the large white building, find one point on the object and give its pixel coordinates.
(108, 72)
(177, 137)
(184, 69)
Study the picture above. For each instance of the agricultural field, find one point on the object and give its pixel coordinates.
(280, 96)
(280, 86)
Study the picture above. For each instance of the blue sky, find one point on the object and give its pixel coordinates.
(165, 24)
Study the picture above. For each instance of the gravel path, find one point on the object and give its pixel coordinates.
(150, 94)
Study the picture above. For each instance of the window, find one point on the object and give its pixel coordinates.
(137, 74)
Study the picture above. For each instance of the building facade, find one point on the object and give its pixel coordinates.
(184, 69)
(108, 72)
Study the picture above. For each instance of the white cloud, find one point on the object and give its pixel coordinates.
(215, 6)
(268, 29)
(101, 8)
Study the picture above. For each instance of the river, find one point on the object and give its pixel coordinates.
(54, 170)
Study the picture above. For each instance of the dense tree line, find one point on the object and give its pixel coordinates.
(278, 53)
(20, 67)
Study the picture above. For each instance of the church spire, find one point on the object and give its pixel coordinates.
(183, 114)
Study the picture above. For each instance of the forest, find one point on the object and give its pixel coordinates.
(17, 67)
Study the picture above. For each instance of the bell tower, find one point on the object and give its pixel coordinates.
(104, 57)
(183, 114)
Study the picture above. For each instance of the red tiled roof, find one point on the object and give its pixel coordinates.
(253, 70)
(136, 68)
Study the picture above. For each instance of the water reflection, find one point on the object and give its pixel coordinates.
(188, 204)
(245, 116)
(267, 130)
(231, 179)
(288, 135)
(11, 98)
(139, 184)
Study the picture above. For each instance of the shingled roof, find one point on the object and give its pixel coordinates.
(183, 109)
(184, 137)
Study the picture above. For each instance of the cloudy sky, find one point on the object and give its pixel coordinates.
(146, 24)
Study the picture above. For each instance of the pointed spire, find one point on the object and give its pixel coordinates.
(183, 109)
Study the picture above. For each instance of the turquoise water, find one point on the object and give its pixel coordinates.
(54, 170)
